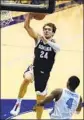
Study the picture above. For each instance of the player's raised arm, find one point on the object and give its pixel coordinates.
(28, 28)
(79, 106)
(55, 94)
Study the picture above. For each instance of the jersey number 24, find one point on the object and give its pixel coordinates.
(44, 55)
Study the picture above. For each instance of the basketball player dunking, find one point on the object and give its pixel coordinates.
(45, 51)
(67, 101)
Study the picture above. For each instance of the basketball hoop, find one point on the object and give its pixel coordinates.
(29, 7)
(6, 16)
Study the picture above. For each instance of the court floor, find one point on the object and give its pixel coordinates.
(17, 53)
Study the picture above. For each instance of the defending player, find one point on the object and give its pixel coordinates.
(67, 101)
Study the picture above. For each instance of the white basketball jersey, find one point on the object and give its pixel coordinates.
(66, 105)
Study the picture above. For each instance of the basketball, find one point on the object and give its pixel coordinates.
(38, 16)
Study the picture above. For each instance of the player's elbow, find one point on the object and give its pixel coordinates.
(25, 26)
(78, 110)
(58, 49)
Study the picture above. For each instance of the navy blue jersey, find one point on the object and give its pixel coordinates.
(44, 57)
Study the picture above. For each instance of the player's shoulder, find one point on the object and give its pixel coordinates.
(57, 91)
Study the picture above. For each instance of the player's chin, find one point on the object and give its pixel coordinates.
(47, 36)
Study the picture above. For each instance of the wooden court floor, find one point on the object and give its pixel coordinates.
(17, 53)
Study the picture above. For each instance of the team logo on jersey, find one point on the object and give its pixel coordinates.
(45, 48)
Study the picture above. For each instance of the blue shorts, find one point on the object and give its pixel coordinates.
(40, 78)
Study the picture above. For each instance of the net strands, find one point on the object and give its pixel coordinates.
(29, 7)
(6, 18)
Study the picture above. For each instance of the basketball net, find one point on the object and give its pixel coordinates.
(6, 16)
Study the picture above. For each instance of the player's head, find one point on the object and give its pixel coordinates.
(49, 30)
(73, 82)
